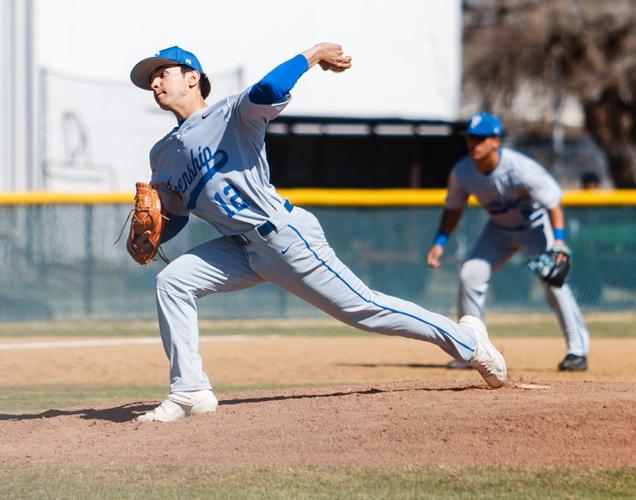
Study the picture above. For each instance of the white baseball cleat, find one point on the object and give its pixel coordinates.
(179, 405)
(487, 360)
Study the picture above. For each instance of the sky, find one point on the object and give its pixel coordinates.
(406, 54)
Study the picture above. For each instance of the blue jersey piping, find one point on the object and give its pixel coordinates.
(371, 301)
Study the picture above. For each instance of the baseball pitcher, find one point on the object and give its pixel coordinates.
(523, 202)
(212, 164)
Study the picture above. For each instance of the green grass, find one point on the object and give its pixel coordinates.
(550, 328)
(148, 329)
(27, 398)
(15, 399)
(544, 327)
(491, 483)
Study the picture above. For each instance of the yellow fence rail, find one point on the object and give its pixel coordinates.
(328, 197)
(58, 261)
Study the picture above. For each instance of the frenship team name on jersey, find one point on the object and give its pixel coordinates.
(205, 159)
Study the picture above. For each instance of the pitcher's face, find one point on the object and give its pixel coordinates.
(169, 85)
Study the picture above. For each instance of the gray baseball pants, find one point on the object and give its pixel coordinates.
(299, 259)
(493, 248)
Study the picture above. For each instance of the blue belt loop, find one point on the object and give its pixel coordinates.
(267, 227)
(264, 229)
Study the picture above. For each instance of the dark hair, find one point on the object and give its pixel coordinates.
(590, 177)
(204, 82)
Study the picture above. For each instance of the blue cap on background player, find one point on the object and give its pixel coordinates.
(140, 74)
(484, 124)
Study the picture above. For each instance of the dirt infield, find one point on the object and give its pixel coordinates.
(238, 360)
(388, 402)
(378, 425)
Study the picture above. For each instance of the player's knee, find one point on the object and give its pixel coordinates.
(166, 280)
(474, 273)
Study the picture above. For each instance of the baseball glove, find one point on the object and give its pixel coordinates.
(546, 268)
(146, 225)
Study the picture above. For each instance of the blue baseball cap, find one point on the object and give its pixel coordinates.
(140, 74)
(484, 124)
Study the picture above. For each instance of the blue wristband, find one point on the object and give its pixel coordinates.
(559, 233)
(440, 238)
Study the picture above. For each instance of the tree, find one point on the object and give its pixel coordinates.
(582, 48)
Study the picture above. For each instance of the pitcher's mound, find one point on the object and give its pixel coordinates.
(414, 423)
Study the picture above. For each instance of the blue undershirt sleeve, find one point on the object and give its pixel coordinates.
(174, 224)
(276, 84)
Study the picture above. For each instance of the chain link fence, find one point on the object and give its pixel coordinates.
(94, 134)
(59, 263)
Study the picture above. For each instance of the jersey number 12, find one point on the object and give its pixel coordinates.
(234, 199)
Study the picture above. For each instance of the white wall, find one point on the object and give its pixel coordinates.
(17, 164)
(6, 153)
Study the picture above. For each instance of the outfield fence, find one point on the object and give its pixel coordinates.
(59, 262)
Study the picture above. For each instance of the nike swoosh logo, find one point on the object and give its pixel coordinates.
(205, 115)
(285, 251)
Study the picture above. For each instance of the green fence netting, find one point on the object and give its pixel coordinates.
(58, 262)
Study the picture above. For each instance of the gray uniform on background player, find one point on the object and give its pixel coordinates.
(523, 202)
(213, 165)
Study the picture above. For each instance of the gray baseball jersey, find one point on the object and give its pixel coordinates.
(515, 193)
(214, 166)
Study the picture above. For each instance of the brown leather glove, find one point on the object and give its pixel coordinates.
(146, 225)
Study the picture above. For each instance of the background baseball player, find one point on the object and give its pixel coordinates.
(523, 202)
(213, 165)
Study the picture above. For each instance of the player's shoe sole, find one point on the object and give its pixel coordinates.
(179, 405)
(487, 360)
(459, 364)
